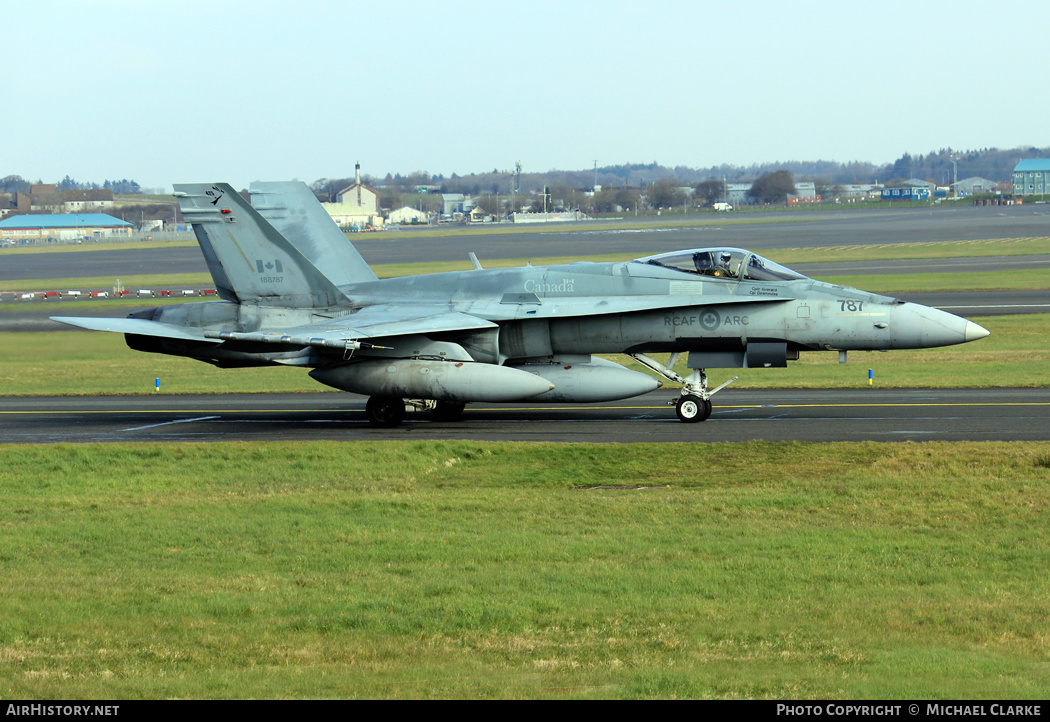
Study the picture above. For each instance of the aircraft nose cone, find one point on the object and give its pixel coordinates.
(974, 332)
(917, 326)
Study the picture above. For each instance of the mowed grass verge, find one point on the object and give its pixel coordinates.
(468, 569)
(88, 363)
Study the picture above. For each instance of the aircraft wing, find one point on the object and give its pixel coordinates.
(380, 321)
(393, 320)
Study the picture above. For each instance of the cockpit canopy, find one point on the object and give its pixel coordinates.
(723, 263)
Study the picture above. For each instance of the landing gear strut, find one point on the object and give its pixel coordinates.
(694, 405)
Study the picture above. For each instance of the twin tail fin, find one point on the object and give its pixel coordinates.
(249, 260)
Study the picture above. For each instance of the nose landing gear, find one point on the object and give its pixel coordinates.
(692, 409)
(694, 405)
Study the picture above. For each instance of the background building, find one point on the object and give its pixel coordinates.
(1032, 177)
(63, 227)
(969, 186)
(407, 214)
(357, 207)
(358, 194)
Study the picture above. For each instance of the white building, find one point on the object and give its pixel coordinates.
(357, 207)
(358, 194)
(407, 214)
(969, 186)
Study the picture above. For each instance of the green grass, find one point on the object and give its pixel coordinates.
(84, 362)
(1019, 280)
(474, 570)
(478, 570)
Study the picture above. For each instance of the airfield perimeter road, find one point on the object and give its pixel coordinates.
(773, 415)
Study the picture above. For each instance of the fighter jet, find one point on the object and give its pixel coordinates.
(295, 292)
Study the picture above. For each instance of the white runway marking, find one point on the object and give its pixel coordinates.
(169, 423)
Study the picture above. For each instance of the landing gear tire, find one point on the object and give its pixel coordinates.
(385, 412)
(692, 409)
(448, 411)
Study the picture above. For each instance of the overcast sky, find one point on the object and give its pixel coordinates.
(236, 91)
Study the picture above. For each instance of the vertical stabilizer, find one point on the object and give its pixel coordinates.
(292, 208)
(249, 260)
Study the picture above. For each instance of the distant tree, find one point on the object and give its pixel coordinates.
(326, 188)
(662, 194)
(390, 197)
(14, 184)
(902, 166)
(710, 192)
(122, 187)
(489, 204)
(603, 201)
(626, 198)
(772, 187)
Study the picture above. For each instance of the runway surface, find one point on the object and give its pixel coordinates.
(774, 415)
(756, 232)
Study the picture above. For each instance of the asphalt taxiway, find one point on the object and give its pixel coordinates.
(862, 414)
(629, 237)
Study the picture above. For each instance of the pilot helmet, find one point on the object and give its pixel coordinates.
(726, 257)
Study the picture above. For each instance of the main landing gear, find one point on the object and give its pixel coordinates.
(386, 412)
(694, 405)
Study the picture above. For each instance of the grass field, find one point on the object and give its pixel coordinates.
(525, 571)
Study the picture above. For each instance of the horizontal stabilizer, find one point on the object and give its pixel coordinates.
(136, 326)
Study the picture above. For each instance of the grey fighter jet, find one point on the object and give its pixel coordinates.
(295, 292)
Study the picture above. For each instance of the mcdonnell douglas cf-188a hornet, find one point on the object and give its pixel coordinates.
(296, 293)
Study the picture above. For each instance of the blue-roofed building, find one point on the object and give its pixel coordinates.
(63, 227)
(1032, 177)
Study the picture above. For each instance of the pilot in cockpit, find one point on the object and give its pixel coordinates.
(707, 265)
(723, 269)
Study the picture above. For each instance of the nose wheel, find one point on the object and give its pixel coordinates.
(692, 409)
